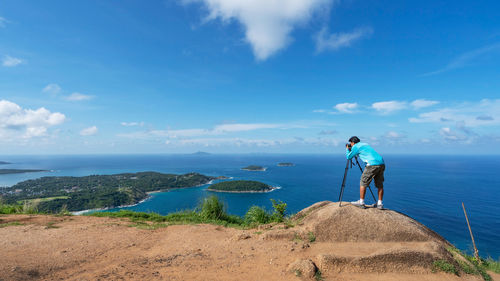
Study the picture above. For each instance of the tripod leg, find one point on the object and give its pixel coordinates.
(369, 188)
(343, 183)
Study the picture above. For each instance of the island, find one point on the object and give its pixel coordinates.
(254, 168)
(285, 164)
(241, 186)
(53, 194)
(19, 171)
(4, 163)
(201, 153)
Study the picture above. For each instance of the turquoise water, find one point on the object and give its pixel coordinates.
(427, 188)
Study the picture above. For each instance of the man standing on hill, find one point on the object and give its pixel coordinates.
(374, 169)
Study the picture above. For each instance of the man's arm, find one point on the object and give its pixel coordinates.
(353, 152)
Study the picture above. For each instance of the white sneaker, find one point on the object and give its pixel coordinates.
(380, 206)
(358, 204)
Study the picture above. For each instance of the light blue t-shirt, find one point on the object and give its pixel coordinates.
(366, 153)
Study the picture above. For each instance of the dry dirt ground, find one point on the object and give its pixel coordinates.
(89, 248)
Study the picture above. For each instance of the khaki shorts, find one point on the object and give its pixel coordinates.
(375, 172)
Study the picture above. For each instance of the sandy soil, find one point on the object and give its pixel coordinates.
(90, 248)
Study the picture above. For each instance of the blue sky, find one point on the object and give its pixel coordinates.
(227, 76)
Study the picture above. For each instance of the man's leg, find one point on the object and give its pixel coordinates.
(380, 193)
(379, 183)
(362, 192)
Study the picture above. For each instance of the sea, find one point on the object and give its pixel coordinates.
(428, 188)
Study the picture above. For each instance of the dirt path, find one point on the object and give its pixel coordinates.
(90, 248)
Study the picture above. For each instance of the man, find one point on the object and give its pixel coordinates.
(374, 169)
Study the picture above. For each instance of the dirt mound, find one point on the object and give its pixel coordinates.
(378, 241)
(323, 242)
(331, 223)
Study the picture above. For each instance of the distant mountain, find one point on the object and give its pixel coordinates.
(201, 153)
(19, 171)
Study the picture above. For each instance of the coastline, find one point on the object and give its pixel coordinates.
(78, 213)
(273, 188)
(252, 170)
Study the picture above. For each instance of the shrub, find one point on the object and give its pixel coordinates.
(10, 209)
(30, 207)
(311, 236)
(212, 208)
(257, 215)
(492, 265)
(445, 266)
(279, 210)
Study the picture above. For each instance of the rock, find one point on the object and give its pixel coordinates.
(242, 236)
(303, 268)
(331, 223)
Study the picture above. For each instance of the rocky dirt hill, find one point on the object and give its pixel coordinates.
(324, 242)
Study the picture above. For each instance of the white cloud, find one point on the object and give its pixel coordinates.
(451, 136)
(16, 122)
(9, 61)
(3, 22)
(394, 135)
(387, 107)
(466, 58)
(335, 41)
(90, 131)
(244, 127)
(78, 97)
(223, 129)
(328, 132)
(483, 113)
(132, 124)
(421, 103)
(52, 89)
(319, 111)
(240, 142)
(267, 23)
(346, 107)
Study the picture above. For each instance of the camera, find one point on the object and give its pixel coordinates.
(348, 145)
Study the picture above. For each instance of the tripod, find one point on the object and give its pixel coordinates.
(350, 163)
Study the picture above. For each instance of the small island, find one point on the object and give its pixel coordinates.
(241, 186)
(285, 164)
(254, 168)
(4, 163)
(201, 153)
(19, 171)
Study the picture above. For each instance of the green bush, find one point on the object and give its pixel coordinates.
(257, 215)
(279, 210)
(212, 209)
(10, 209)
(491, 264)
(445, 266)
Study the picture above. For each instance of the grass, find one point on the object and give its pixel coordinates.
(311, 237)
(38, 200)
(318, 276)
(210, 210)
(10, 209)
(51, 224)
(13, 223)
(492, 265)
(147, 226)
(471, 265)
(444, 266)
(298, 273)
(297, 238)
